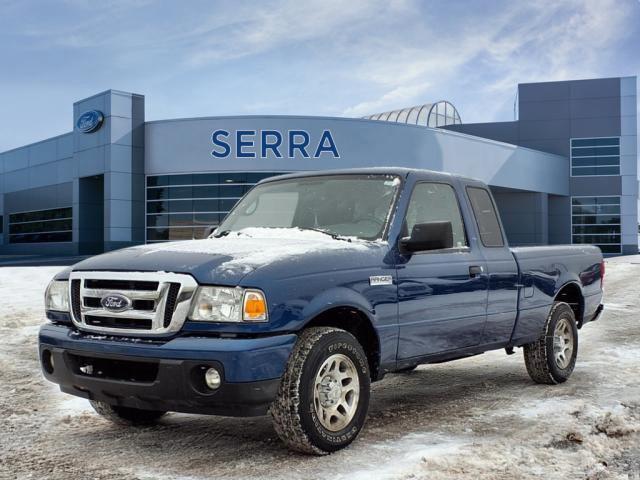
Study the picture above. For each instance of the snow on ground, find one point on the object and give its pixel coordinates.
(22, 292)
(480, 417)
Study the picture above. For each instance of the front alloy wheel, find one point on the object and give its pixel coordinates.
(336, 392)
(323, 397)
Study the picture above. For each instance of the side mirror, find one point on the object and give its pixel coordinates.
(209, 230)
(428, 236)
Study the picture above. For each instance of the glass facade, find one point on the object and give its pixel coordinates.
(595, 156)
(431, 115)
(181, 207)
(596, 220)
(41, 226)
(443, 113)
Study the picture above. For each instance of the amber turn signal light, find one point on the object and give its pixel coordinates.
(254, 307)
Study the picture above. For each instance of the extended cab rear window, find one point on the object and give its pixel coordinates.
(486, 217)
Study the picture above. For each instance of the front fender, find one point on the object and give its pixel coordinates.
(338, 297)
(381, 316)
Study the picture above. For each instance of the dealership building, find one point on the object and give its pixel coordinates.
(565, 171)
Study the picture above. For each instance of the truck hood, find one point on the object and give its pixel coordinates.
(227, 260)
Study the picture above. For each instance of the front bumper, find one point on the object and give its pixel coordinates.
(167, 376)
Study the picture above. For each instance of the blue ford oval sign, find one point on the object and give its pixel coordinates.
(90, 121)
(115, 302)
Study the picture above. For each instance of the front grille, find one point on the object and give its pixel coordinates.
(145, 303)
(172, 298)
(75, 297)
(120, 284)
(116, 322)
(95, 302)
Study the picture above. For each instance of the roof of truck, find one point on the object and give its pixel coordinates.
(396, 171)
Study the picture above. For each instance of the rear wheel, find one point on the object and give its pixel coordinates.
(324, 393)
(552, 358)
(126, 415)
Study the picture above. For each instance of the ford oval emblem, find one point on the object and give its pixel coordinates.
(115, 302)
(90, 121)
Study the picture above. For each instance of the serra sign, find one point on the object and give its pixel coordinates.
(273, 143)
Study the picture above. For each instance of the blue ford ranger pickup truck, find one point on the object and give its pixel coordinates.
(314, 286)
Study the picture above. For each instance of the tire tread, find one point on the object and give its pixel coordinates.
(535, 353)
(285, 409)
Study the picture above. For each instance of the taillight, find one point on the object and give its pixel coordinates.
(602, 269)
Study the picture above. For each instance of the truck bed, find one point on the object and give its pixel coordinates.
(544, 271)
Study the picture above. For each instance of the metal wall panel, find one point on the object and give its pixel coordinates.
(186, 146)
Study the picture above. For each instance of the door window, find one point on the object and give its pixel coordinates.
(486, 217)
(436, 202)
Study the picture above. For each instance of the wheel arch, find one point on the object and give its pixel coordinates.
(571, 294)
(358, 323)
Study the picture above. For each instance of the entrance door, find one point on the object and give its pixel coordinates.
(442, 293)
(91, 215)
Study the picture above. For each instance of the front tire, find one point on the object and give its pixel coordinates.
(551, 359)
(324, 393)
(126, 416)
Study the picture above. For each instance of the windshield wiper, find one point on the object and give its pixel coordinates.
(335, 236)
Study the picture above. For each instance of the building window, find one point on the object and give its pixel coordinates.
(596, 220)
(595, 156)
(181, 207)
(41, 226)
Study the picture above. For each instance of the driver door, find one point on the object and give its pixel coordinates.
(442, 293)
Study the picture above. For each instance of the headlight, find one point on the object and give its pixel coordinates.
(224, 304)
(57, 296)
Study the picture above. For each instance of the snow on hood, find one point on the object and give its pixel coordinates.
(251, 248)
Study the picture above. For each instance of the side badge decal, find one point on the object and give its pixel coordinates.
(381, 280)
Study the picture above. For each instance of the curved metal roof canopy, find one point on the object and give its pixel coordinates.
(429, 115)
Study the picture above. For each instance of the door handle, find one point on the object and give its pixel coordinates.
(475, 271)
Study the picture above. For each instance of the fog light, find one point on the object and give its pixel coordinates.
(47, 361)
(212, 378)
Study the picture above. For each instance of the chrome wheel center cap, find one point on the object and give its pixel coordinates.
(330, 392)
(563, 343)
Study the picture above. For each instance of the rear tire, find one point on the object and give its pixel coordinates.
(551, 359)
(126, 416)
(324, 393)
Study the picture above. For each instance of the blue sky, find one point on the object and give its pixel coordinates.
(315, 57)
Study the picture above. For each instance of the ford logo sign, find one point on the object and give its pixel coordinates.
(90, 121)
(115, 302)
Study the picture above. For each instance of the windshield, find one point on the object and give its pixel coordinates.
(342, 205)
